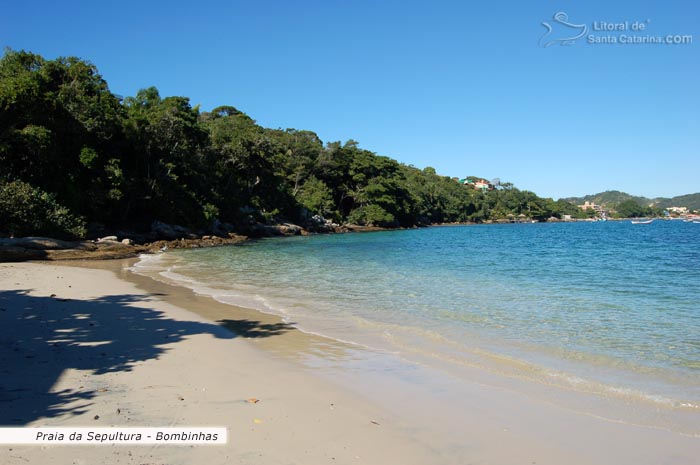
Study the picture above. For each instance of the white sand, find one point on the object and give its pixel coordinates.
(102, 346)
(301, 419)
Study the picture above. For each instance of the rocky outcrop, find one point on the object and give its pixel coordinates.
(165, 231)
(221, 229)
(205, 241)
(42, 248)
(45, 243)
(289, 229)
(273, 230)
(38, 248)
(163, 236)
(349, 227)
(20, 254)
(319, 224)
(104, 251)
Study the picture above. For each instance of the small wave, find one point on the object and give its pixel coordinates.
(410, 342)
(423, 343)
(162, 267)
(149, 262)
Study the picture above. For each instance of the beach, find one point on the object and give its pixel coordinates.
(94, 345)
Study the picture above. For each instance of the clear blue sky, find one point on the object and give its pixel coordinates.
(460, 86)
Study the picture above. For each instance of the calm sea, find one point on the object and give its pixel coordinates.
(610, 309)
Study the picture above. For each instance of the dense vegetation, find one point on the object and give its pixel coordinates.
(632, 209)
(72, 153)
(613, 199)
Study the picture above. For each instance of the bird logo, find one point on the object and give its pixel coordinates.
(566, 33)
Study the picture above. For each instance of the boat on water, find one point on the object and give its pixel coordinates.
(643, 221)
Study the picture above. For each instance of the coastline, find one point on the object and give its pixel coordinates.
(312, 408)
(130, 358)
(23, 249)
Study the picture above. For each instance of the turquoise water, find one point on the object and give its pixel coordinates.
(610, 308)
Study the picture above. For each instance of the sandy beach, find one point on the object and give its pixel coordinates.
(103, 347)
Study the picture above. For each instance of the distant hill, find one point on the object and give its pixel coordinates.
(692, 201)
(610, 198)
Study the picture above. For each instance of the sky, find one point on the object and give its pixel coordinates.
(469, 88)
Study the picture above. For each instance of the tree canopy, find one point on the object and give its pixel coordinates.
(74, 147)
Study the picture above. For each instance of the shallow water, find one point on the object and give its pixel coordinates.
(607, 309)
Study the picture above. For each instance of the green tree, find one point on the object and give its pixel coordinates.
(315, 196)
(60, 129)
(26, 210)
(126, 162)
(372, 215)
(631, 209)
(167, 161)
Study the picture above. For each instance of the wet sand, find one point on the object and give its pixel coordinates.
(101, 346)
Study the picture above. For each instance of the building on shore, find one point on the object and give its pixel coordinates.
(598, 209)
(477, 183)
(678, 210)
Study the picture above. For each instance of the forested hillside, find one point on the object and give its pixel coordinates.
(613, 198)
(74, 158)
(690, 201)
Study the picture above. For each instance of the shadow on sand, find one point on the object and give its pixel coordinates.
(41, 337)
(255, 329)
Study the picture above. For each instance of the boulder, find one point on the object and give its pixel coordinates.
(170, 231)
(127, 242)
(20, 254)
(138, 238)
(317, 223)
(41, 248)
(289, 229)
(105, 250)
(44, 243)
(221, 229)
(264, 230)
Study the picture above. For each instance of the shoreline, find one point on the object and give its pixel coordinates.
(197, 374)
(578, 381)
(22, 249)
(426, 420)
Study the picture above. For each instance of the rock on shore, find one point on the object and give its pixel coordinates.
(43, 248)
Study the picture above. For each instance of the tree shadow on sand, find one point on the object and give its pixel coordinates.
(255, 329)
(42, 337)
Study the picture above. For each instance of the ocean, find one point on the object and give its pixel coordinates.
(606, 311)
